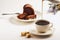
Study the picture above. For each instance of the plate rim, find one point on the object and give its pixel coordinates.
(30, 20)
(25, 20)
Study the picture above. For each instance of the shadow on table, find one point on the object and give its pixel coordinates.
(35, 37)
(14, 21)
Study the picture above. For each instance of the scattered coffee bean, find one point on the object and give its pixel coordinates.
(28, 35)
(23, 33)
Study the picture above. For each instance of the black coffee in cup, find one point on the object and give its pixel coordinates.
(42, 22)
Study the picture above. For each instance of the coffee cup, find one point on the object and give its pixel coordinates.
(43, 25)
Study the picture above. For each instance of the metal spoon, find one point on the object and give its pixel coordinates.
(10, 13)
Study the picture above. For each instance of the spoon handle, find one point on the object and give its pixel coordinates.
(10, 13)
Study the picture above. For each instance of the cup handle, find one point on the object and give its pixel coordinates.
(51, 24)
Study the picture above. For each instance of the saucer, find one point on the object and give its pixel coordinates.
(49, 32)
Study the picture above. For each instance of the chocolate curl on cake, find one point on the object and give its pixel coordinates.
(28, 9)
(27, 5)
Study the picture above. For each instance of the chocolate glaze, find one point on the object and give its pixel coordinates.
(28, 10)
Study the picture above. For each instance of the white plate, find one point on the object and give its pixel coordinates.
(34, 32)
(30, 20)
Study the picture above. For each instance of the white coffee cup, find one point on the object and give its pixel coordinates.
(43, 27)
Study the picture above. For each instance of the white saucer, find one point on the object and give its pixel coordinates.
(34, 32)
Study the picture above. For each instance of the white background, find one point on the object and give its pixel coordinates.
(10, 31)
(17, 5)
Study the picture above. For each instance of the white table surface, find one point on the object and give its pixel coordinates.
(11, 30)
